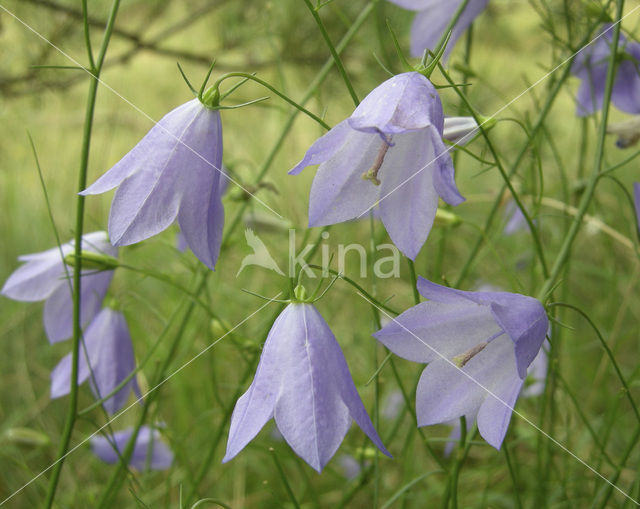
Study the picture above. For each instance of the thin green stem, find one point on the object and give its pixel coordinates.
(82, 184)
(506, 177)
(311, 90)
(334, 53)
(266, 85)
(604, 344)
(565, 249)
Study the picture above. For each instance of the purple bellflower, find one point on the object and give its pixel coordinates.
(478, 346)
(433, 18)
(174, 172)
(591, 64)
(43, 277)
(303, 382)
(106, 345)
(148, 452)
(389, 151)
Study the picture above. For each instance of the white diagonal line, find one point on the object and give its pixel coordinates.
(138, 400)
(139, 110)
(453, 364)
(471, 134)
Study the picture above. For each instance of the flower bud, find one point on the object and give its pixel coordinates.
(90, 260)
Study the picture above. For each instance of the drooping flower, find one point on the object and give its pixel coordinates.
(388, 152)
(433, 18)
(174, 172)
(478, 346)
(43, 277)
(149, 450)
(106, 359)
(303, 382)
(591, 64)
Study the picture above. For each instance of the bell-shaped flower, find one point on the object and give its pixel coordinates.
(106, 359)
(173, 172)
(591, 64)
(149, 451)
(433, 18)
(303, 382)
(388, 152)
(478, 346)
(45, 277)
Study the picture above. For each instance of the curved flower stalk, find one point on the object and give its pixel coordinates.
(433, 18)
(43, 277)
(388, 152)
(149, 450)
(591, 64)
(303, 382)
(106, 359)
(174, 172)
(478, 346)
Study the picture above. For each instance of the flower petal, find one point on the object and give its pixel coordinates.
(432, 330)
(495, 412)
(408, 199)
(339, 372)
(339, 193)
(324, 148)
(152, 151)
(429, 25)
(443, 172)
(405, 102)
(58, 309)
(110, 352)
(255, 407)
(38, 278)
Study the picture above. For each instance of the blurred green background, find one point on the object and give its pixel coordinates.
(512, 49)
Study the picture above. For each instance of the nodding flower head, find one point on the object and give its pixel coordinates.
(388, 154)
(478, 346)
(174, 172)
(302, 382)
(45, 277)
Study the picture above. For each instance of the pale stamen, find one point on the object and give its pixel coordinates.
(372, 173)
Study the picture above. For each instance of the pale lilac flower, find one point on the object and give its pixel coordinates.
(537, 373)
(516, 222)
(351, 467)
(43, 277)
(478, 346)
(106, 345)
(392, 405)
(148, 452)
(433, 18)
(390, 150)
(591, 64)
(172, 173)
(303, 382)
